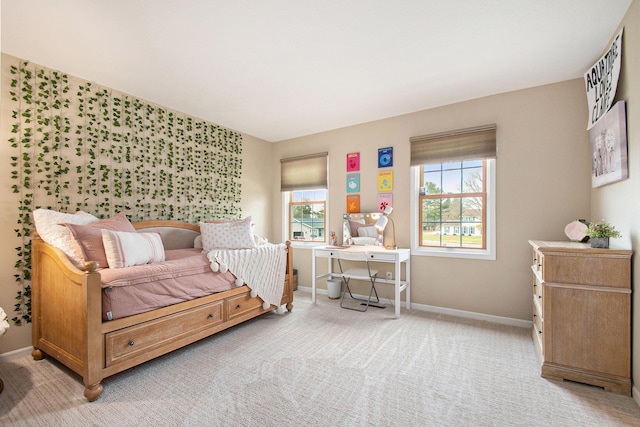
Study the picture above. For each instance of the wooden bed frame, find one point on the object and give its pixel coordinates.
(67, 316)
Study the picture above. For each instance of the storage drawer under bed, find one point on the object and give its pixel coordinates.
(130, 342)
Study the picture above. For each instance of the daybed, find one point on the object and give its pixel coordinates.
(69, 321)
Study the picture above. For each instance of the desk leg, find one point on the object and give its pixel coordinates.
(313, 278)
(397, 287)
(407, 276)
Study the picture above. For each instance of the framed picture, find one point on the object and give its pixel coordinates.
(353, 162)
(608, 140)
(353, 183)
(385, 181)
(385, 157)
(353, 203)
(384, 200)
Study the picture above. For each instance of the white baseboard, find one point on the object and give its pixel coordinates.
(635, 393)
(15, 354)
(448, 311)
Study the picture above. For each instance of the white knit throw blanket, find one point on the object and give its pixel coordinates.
(262, 269)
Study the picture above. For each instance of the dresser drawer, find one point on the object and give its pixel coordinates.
(242, 305)
(130, 342)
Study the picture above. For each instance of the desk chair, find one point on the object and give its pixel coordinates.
(364, 274)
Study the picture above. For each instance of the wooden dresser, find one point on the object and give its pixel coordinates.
(582, 313)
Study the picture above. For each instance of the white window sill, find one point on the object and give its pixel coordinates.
(455, 253)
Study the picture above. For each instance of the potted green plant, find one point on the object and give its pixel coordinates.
(600, 232)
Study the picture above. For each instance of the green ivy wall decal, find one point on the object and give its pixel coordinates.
(79, 146)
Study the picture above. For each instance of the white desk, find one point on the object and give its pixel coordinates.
(374, 253)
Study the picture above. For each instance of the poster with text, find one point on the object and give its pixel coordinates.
(353, 183)
(385, 157)
(353, 162)
(601, 81)
(385, 181)
(384, 200)
(353, 203)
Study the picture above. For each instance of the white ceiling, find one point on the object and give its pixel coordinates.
(279, 69)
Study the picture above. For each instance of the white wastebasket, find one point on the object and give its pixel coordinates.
(333, 288)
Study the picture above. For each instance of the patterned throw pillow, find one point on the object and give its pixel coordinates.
(88, 238)
(227, 235)
(125, 249)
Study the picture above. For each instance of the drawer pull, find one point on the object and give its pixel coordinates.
(539, 296)
(211, 316)
(540, 332)
(237, 306)
(535, 315)
(539, 265)
(131, 343)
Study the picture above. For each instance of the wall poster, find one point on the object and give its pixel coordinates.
(609, 147)
(353, 183)
(385, 181)
(353, 162)
(601, 81)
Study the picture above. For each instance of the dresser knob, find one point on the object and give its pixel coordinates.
(211, 316)
(237, 306)
(540, 332)
(539, 265)
(131, 343)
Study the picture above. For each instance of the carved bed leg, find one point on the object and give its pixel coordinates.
(92, 392)
(289, 307)
(37, 354)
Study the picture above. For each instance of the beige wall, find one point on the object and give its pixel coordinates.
(256, 201)
(543, 183)
(619, 202)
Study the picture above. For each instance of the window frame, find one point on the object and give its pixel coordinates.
(286, 202)
(489, 253)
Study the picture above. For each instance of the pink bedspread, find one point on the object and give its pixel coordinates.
(185, 275)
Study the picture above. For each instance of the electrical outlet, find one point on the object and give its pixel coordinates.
(389, 275)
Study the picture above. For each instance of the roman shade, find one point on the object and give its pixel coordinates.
(454, 146)
(303, 172)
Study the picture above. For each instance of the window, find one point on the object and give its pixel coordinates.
(452, 205)
(306, 215)
(304, 194)
(453, 199)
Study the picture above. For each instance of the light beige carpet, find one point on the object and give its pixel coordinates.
(324, 366)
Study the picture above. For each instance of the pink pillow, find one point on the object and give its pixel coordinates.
(88, 238)
(354, 226)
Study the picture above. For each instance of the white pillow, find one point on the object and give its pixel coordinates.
(227, 235)
(364, 240)
(367, 232)
(48, 226)
(125, 249)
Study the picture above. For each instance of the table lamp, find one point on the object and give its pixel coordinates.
(381, 224)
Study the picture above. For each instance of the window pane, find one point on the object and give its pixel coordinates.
(431, 235)
(472, 209)
(451, 181)
(431, 210)
(431, 182)
(472, 182)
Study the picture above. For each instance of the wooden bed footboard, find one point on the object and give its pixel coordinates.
(67, 325)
